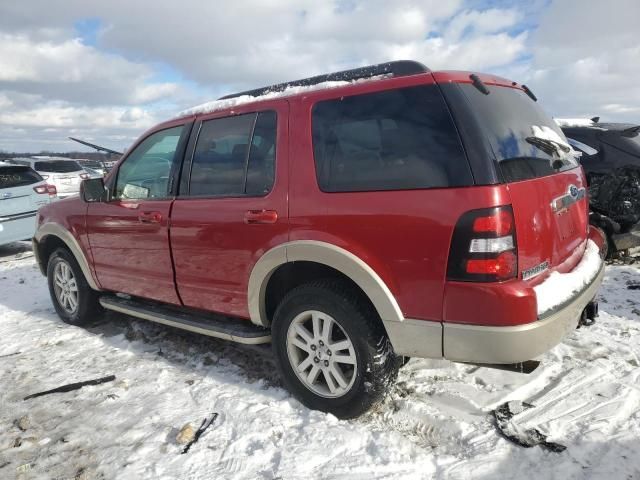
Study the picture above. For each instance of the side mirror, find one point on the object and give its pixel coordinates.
(92, 190)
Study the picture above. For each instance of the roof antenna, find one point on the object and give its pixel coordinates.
(595, 119)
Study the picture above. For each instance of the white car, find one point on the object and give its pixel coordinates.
(22, 192)
(64, 173)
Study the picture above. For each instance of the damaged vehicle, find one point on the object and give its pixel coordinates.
(349, 219)
(611, 160)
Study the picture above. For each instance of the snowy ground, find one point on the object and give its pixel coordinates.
(436, 423)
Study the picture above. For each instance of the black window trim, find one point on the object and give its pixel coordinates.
(184, 192)
(176, 165)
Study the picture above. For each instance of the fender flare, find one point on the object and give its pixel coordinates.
(55, 230)
(327, 254)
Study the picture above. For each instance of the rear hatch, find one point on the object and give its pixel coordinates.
(545, 182)
(17, 196)
(64, 174)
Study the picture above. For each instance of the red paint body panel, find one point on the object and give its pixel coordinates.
(542, 234)
(497, 304)
(70, 213)
(131, 256)
(214, 248)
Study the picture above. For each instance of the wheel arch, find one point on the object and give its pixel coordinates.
(329, 255)
(51, 236)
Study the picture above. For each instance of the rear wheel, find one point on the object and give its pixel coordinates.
(331, 349)
(74, 300)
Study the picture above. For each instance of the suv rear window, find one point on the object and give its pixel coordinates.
(507, 116)
(392, 140)
(17, 176)
(58, 166)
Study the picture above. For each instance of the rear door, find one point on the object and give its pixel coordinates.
(129, 234)
(232, 206)
(546, 184)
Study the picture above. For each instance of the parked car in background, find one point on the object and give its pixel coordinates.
(611, 160)
(94, 173)
(65, 174)
(22, 192)
(94, 168)
(394, 212)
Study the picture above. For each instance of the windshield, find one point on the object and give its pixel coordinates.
(58, 166)
(17, 177)
(526, 142)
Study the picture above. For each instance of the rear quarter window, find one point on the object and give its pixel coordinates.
(17, 176)
(392, 140)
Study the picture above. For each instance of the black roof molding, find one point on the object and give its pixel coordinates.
(399, 68)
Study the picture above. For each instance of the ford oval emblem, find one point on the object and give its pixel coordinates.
(573, 191)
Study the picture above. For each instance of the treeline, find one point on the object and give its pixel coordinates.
(104, 157)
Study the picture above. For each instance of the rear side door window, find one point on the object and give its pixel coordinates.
(392, 140)
(234, 156)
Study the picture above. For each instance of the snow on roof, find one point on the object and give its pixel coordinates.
(574, 122)
(217, 105)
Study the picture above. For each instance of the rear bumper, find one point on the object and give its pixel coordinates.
(480, 344)
(491, 344)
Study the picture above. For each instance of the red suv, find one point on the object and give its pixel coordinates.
(349, 219)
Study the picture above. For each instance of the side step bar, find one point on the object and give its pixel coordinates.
(227, 328)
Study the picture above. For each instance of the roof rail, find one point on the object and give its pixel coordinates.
(399, 68)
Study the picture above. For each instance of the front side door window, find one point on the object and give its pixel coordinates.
(146, 172)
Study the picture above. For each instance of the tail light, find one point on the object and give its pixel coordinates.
(46, 188)
(84, 176)
(483, 247)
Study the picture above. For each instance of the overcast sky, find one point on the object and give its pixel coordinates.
(107, 71)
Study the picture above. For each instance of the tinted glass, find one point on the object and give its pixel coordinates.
(260, 170)
(146, 171)
(392, 140)
(223, 164)
(508, 117)
(219, 160)
(58, 166)
(17, 177)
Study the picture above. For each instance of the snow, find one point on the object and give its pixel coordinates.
(547, 133)
(216, 105)
(574, 122)
(560, 287)
(437, 422)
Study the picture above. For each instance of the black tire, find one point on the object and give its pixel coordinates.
(88, 307)
(377, 364)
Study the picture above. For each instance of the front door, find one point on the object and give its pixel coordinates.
(129, 234)
(232, 206)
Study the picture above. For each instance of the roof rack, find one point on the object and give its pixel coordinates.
(399, 68)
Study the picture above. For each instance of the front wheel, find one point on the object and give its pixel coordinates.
(74, 300)
(331, 349)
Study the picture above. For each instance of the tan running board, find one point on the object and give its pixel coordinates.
(227, 328)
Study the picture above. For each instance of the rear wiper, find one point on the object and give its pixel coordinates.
(548, 146)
